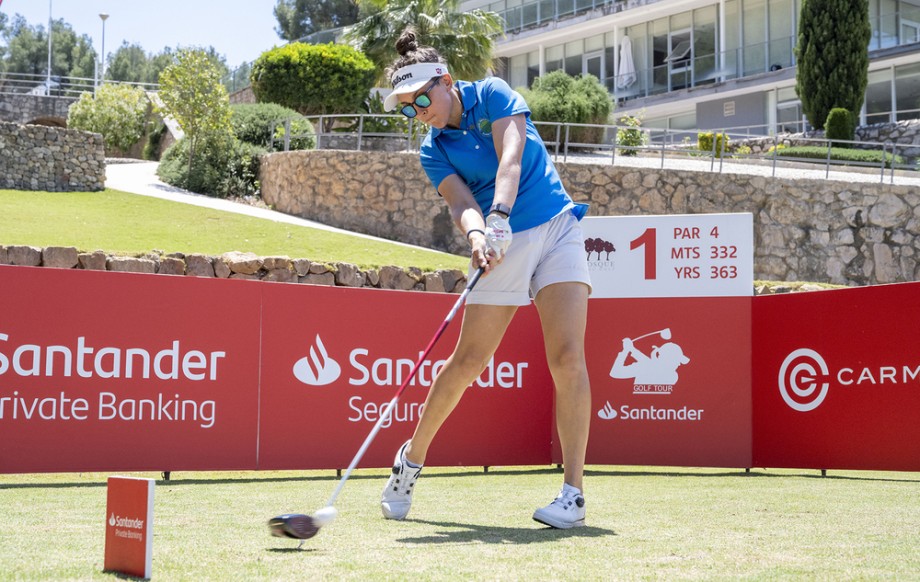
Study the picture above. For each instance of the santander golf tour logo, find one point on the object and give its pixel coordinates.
(653, 370)
(317, 369)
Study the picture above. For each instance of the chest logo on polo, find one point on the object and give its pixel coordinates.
(485, 127)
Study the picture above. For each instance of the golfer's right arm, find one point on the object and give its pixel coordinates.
(468, 217)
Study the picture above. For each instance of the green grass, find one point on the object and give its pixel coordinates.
(122, 223)
(644, 523)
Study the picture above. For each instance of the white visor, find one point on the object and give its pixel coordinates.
(410, 79)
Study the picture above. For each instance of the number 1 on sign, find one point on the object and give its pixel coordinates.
(648, 240)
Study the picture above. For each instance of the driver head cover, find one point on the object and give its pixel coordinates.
(410, 79)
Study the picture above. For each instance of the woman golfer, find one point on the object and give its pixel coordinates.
(485, 158)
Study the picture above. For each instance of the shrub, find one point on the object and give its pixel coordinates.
(560, 98)
(317, 79)
(223, 166)
(303, 134)
(742, 151)
(631, 135)
(704, 141)
(118, 112)
(860, 157)
(840, 125)
(257, 123)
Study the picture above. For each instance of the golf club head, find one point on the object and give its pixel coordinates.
(293, 525)
(666, 333)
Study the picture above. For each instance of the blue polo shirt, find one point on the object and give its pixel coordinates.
(470, 153)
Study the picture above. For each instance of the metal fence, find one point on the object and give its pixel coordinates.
(54, 86)
(624, 144)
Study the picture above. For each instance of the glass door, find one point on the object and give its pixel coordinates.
(679, 61)
(593, 64)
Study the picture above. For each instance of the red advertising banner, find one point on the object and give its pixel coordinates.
(129, 526)
(104, 371)
(837, 379)
(108, 371)
(670, 381)
(334, 357)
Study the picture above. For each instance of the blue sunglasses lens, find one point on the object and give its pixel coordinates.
(423, 100)
(408, 111)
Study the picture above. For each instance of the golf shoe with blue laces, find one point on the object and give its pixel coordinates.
(397, 495)
(566, 511)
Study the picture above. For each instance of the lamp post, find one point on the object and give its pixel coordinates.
(48, 80)
(103, 16)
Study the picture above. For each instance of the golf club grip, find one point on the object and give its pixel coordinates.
(386, 415)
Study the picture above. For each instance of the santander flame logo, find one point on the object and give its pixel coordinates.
(317, 369)
(112, 520)
(608, 412)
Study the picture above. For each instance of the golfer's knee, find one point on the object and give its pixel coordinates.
(568, 361)
(469, 365)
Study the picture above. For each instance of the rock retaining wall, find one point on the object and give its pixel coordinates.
(238, 265)
(38, 157)
(804, 230)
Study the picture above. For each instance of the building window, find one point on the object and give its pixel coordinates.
(878, 97)
(573, 52)
(554, 57)
(907, 91)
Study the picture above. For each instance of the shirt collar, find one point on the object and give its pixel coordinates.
(469, 99)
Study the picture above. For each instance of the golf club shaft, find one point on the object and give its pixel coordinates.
(635, 339)
(386, 415)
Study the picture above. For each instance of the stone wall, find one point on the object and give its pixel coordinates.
(238, 265)
(804, 230)
(37, 157)
(25, 108)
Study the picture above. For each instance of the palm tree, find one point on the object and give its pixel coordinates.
(463, 39)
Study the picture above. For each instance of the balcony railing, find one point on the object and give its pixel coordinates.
(534, 14)
(707, 69)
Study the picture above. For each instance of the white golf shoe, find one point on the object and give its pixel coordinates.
(397, 495)
(566, 511)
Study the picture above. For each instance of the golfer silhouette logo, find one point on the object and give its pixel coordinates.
(655, 373)
(317, 369)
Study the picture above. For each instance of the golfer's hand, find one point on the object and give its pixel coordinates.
(627, 344)
(480, 255)
(498, 236)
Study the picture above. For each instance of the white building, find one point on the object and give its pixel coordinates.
(707, 64)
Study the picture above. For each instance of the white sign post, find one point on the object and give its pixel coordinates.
(690, 255)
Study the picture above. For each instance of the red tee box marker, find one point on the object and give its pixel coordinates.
(129, 526)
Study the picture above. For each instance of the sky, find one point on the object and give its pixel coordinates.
(237, 29)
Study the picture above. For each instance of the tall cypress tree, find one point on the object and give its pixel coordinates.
(833, 57)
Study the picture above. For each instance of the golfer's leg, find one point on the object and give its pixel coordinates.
(563, 309)
(481, 332)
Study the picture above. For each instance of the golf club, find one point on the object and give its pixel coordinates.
(302, 527)
(665, 334)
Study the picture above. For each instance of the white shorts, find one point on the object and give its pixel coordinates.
(553, 252)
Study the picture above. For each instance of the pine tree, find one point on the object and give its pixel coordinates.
(833, 57)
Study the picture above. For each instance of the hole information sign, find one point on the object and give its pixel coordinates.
(690, 255)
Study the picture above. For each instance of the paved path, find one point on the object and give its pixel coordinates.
(141, 178)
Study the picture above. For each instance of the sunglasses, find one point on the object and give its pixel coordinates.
(423, 101)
